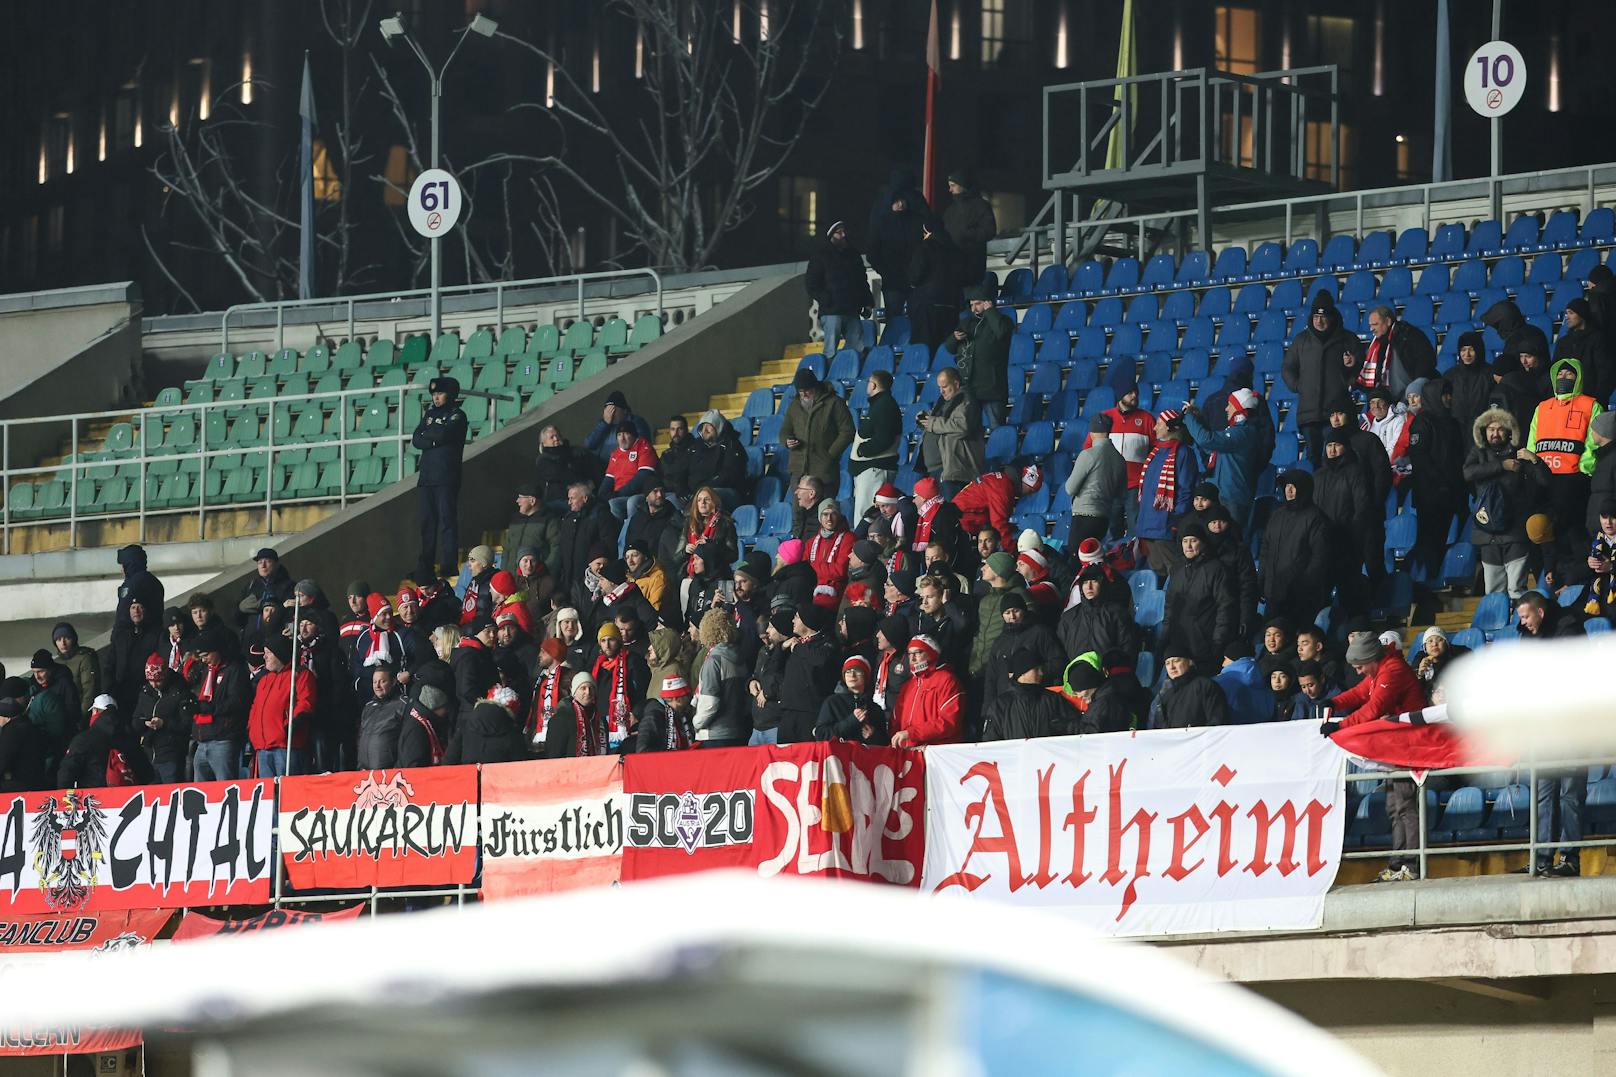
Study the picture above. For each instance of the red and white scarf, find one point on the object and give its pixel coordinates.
(434, 743)
(1167, 481)
(1371, 368)
(589, 739)
(616, 697)
(923, 522)
(616, 593)
(835, 549)
(546, 697)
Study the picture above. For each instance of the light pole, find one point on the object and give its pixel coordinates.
(393, 29)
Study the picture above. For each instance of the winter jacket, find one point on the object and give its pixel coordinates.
(1024, 711)
(414, 742)
(474, 674)
(379, 725)
(222, 715)
(588, 528)
(1563, 423)
(1472, 385)
(1436, 453)
(127, 653)
(930, 708)
(84, 766)
(488, 735)
(1603, 485)
(1408, 355)
(602, 437)
(267, 720)
(1558, 623)
(652, 528)
(837, 721)
(1154, 523)
(878, 437)
(1296, 572)
(1240, 459)
(723, 705)
(1115, 707)
(823, 429)
(1391, 689)
(970, 224)
(83, 668)
(983, 357)
(1191, 700)
(989, 623)
(441, 437)
(676, 466)
(988, 501)
(720, 463)
(1098, 626)
(25, 754)
(1591, 349)
(953, 446)
(559, 466)
(1313, 369)
(893, 239)
(837, 281)
(259, 591)
(138, 583)
(1027, 636)
(1231, 550)
(171, 742)
(1099, 477)
(1343, 494)
(1484, 467)
(1370, 453)
(811, 673)
(1200, 609)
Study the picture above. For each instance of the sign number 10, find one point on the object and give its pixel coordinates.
(1501, 68)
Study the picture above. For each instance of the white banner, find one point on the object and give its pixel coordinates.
(1237, 828)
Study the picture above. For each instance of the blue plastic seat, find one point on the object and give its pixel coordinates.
(1471, 638)
(1045, 380)
(1100, 398)
(1461, 817)
(759, 404)
(777, 519)
(745, 518)
(896, 334)
(1459, 565)
(1001, 446)
(1017, 285)
(1339, 253)
(1127, 340)
(1194, 365)
(1360, 287)
(1056, 349)
(1376, 249)
(1560, 230)
(1231, 264)
(1287, 296)
(1469, 275)
(915, 360)
(1107, 312)
(1598, 227)
(1433, 280)
(1522, 234)
(1161, 336)
(1158, 369)
(1149, 608)
(1158, 272)
(1396, 283)
(1072, 316)
(1486, 237)
(1215, 303)
(1546, 270)
(1022, 350)
(1511, 813)
(1508, 272)
(1411, 245)
(1302, 257)
(1449, 241)
(1123, 274)
(1141, 309)
(881, 357)
(1400, 532)
(1088, 277)
(1037, 321)
(1492, 613)
(814, 363)
(1198, 333)
(1179, 306)
(1251, 299)
(1052, 281)
(1039, 441)
(1270, 326)
(1235, 334)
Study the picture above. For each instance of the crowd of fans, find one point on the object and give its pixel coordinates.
(624, 614)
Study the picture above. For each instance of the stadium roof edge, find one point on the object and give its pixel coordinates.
(82, 296)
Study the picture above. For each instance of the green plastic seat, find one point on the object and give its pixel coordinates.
(381, 353)
(252, 365)
(181, 436)
(330, 382)
(309, 425)
(280, 424)
(480, 345)
(578, 338)
(377, 420)
(538, 396)
(525, 375)
(647, 328)
(329, 483)
(415, 350)
(50, 498)
(613, 335)
(177, 491)
(20, 501)
(84, 494)
(464, 373)
(446, 352)
(589, 365)
(121, 438)
(169, 398)
(284, 363)
(546, 341)
(559, 372)
(349, 356)
(216, 429)
(413, 407)
(245, 433)
(325, 454)
(115, 495)
(296, 385)
(512, 342)
(261, 389)
(219, 367)
(492, 377)
(199, 392)
(316, 360)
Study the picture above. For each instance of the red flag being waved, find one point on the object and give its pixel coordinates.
(1415, 740)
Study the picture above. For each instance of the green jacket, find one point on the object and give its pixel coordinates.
(984, 355)
(825, 430)
(1586, 464)
(538, 531)
(84, 666)
(45, 711)
(990, 624)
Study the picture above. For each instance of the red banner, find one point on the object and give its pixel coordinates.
(834, 809)
(375, 828)
(136, 847)
(551, 825)
(25, 944)
(196, 926)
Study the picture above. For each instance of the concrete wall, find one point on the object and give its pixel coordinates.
(378, 539)
(97, 328)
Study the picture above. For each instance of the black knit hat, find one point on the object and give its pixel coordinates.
(895, 629)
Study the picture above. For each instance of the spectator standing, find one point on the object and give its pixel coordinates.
(1199, 615)
(935, 273)
(1398, 354)
(1505, 480)
(1170, 475)
(970, 223)
(1297, 573)
(25, 752)
(441, 438)
(837, 281)
(1561, 437)
(105, 753)
(587, 529)
(1318, 368)
(722, 717)
(1370, 456)
(1097, 483)
(282, 712)
(223, 699)
(1586, 342)
(1022, 708)
(137, 582)
(895, 227)
(1345, 497)
(929, 708)
(131, 643)
(1021, 633)
(162, 721)
(876, 439)
(1131, 429)
(1470, 380)
(850, 712)
(490, 734)
(83, 666)
(810, 673)
(1240, 450)
(602, 438)
(271, 586)
(1601, 435)
(816, 427)
(981, 349)
(1187, 697)
(1436, 457)
(953, 447)
(1387, 420)
(423, 735)
(380, 720)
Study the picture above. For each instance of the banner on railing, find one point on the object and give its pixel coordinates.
(832, 809)
(26, 944)
(1175, 831)
(551, 825)
(136, 847)
(196, 926)
(380, 828)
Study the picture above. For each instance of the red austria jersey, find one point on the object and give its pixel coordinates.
(1133, 434)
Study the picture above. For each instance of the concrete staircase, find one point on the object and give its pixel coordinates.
(773, 372)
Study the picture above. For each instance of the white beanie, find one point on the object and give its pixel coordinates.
(1029, 540)
(1435, 631)
(580, 679)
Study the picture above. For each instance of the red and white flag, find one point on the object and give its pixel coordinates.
(551, 825)
(1414, 740)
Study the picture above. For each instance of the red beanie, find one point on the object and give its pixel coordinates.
(926, 488)
(375, 603)
(503, 583)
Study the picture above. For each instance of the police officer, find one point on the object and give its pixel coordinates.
(441, 437)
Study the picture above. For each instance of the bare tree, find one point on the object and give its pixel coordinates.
(728, 92)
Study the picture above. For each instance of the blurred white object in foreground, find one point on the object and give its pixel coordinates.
(706, 974)
(1550, 699)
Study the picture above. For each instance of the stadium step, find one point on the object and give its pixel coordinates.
(772, 372)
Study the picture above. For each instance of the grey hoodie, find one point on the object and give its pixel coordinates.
(1099, 476)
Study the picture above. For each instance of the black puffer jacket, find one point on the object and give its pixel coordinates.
(1099, 626)
(559, 466)
(1342, 493)
(718, 463)
(379, 725)
(1200, 609)
(810, 676)
(85, 764)
(1024, 711)
(1117, 706)
(1520, 487)
(838, 722)
(1027, 636)
(590, 527)
(1436, 450)
(836, 279)
(1470, 383)
(1603, 484)
(487, 735)
(138, 583)
(1295, 573)
(441, 437)
(1230, 549)
(1313, 368)
(1191, 700)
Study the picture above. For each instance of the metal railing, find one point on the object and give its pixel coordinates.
(1526, 774)
(387, 303)
(344, 406)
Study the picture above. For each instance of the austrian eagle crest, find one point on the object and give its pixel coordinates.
(70, 842)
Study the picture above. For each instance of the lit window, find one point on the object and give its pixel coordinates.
(858, 24)
(327, 187)
(992, 30)
(400, 175)
(246, 79)
(799, 210)
(1404, 158)
(1318, 151)
(1236, 39)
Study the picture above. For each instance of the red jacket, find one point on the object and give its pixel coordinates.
(627, 463)
(828, 556)
(929, 707)
(1390, 689)
(518, 609)
(987, 502)
(266, 722)
(1133, 433)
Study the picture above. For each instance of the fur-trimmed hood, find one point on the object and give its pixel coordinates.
(1478, 429)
